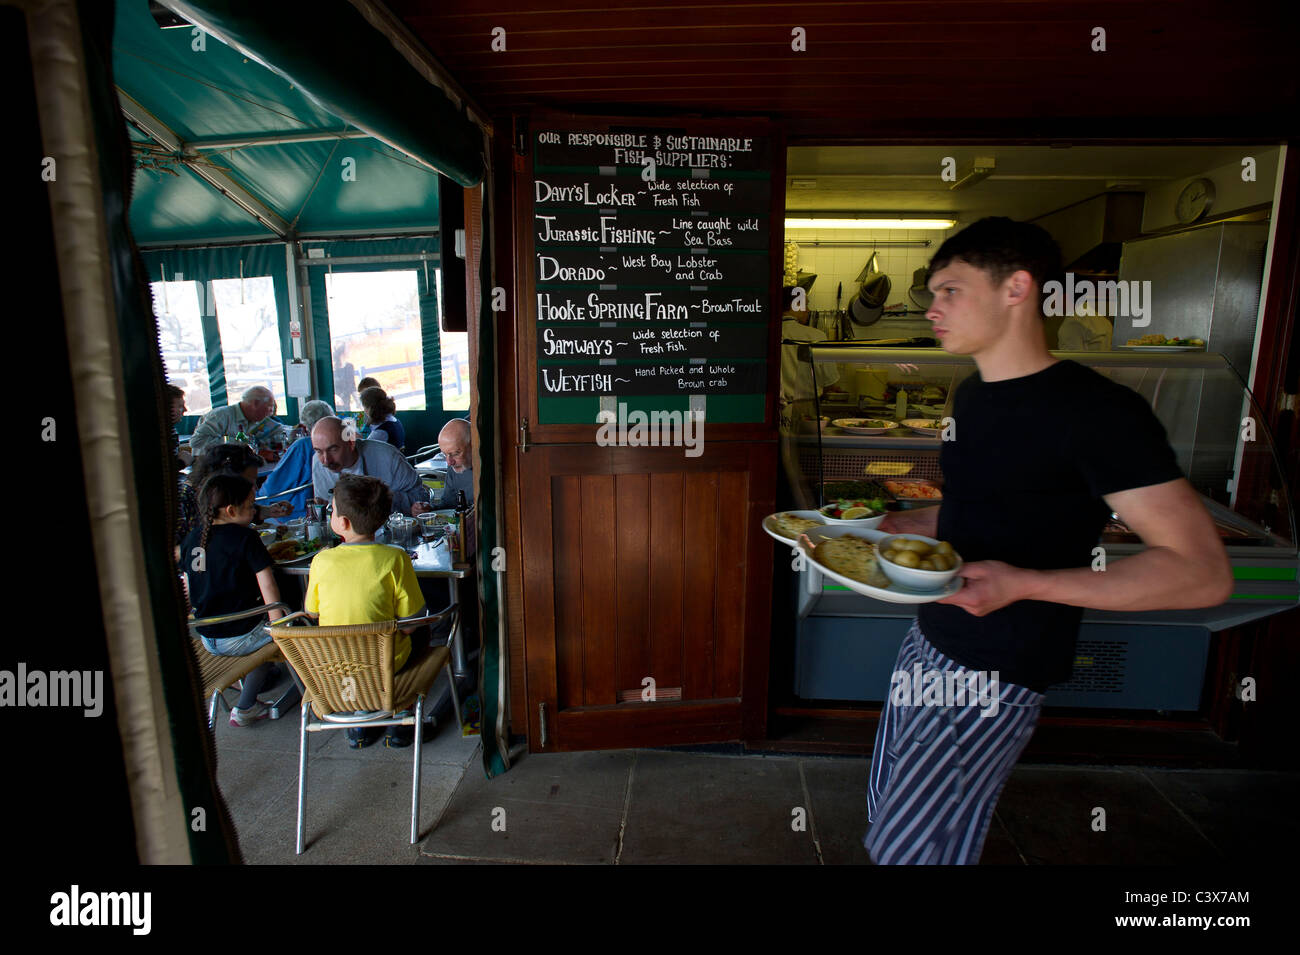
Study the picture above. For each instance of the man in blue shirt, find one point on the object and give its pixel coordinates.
(295, 468)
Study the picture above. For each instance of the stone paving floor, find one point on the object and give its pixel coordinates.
(654, 806)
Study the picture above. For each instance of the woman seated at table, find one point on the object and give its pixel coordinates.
(381, 413)
(236, 459)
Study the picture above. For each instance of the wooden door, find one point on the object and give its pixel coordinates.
(645, 566)
(646, 575)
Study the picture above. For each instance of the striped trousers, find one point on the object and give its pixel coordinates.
(937, 770)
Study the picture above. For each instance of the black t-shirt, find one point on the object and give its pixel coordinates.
(228, 581)
(1023, 483)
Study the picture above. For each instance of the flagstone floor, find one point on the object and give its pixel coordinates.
(723, 806)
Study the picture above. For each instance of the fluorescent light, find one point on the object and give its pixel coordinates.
(870, 223)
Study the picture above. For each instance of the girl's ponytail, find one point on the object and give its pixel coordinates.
(220, 491)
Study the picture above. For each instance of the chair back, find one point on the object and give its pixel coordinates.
(342, 668)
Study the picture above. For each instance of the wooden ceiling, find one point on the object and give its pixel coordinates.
(1202, 69)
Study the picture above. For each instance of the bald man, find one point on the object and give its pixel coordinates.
(252, 416)
(340, 450)
(456, 441)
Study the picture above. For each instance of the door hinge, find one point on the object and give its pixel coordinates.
(523, 435)
(1285, 402)
(541, 716)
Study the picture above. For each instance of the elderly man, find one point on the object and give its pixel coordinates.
(252, 416)
(455, 440)
(340, 451)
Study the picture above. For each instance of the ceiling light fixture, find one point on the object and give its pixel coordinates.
(873, 223)
(979, 170)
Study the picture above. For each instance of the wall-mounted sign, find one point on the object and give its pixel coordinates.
(651, 270)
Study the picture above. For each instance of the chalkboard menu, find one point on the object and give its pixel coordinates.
(651, 272)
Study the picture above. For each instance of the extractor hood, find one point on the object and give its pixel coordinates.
(1091, 233)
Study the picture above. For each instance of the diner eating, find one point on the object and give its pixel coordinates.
(251, 416)
(340, 450)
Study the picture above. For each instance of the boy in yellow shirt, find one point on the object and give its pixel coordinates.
(363, 582)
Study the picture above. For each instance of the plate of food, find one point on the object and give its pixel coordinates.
(1159, 343)
(786, 526)
(292, 550)
(915, 489)
(849, 556)
(864, 425)
(860, 512)
(930, 427)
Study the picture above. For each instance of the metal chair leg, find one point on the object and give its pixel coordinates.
(455, 697)
(415, 782)
(212, 709)
(302, 776)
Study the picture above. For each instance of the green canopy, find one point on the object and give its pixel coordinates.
(227, 149)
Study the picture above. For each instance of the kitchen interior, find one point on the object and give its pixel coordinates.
(861, 226)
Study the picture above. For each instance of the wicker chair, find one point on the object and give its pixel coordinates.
(350, 668)
(221, 673)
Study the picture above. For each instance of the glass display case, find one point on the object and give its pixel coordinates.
(855, 433)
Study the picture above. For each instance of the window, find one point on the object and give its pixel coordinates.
(455, 366)
(250, 336)
(375, 332)
(180, 336)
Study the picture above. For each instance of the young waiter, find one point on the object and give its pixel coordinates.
(1044, 450)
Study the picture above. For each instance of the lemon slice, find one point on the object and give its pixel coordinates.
(853, 513)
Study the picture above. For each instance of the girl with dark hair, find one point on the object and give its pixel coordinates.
(227, 569)
(381, 413)
(236, 459)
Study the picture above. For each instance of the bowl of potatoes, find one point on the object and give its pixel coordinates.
(921, 563)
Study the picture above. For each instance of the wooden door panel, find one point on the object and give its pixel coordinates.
(632, 573)
(566, 525)
(698, 558)
(666, 577)
(649, 579)
(733, 511)
(595, 557)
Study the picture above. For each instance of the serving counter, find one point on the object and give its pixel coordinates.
(846, 643)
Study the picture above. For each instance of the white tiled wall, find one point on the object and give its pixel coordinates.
(835, 265)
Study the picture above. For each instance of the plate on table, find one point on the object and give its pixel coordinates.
(772, 524)
(299, 552)
(864, 425)
(929, 427)
(893, 593)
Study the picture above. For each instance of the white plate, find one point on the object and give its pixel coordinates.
(857, 429)
(770, 527)
(928, 432)
(866, 523)
(1165, 348)
(895, 594)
